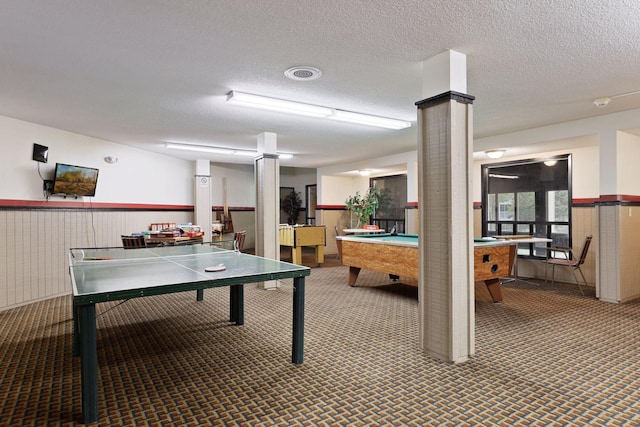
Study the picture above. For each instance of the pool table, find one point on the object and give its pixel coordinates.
(397, 255)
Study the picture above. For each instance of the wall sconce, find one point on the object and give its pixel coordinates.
(494, 154)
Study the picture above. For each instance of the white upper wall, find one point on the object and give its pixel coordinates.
(298, 178)
(240, 186)
(628, 153)
(240, 183)
(336, 183)
(584, 168)
(138, 176)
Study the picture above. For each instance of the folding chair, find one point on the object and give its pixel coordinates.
(568, 260)
(238, 240)
(133, 242)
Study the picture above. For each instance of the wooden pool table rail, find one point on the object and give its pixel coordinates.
(491, 260)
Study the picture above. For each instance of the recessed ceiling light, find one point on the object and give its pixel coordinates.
(303, 73)
(494, 154)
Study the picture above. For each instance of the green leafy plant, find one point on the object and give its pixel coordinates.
(362, 206)
(291, 206)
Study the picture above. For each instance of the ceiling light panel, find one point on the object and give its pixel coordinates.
(365, 119)
(201, 148)
(219, 150)
(309, 110)
(275, 104)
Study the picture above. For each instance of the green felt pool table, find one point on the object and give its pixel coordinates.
(397, 255)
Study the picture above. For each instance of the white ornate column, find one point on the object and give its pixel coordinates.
(445, 146)
(202, 197)
(267, 183)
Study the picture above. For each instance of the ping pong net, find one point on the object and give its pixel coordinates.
(80, 255)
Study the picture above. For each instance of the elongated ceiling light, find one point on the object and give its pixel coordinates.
(366, 119)
(309, 110)
(605, 100)
(275, 104)
(218, 150)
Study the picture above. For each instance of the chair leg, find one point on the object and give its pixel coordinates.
(546, 268)
(573, 271)
(583, 279)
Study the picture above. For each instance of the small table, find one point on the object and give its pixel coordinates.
(520, 239)
(111, 274)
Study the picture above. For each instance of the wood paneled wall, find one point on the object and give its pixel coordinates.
(35, 245)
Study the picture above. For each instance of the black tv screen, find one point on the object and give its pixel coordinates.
(75, 180)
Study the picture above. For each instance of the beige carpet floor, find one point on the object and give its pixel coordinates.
(545, 357)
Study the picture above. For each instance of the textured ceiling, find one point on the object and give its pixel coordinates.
(142, 72)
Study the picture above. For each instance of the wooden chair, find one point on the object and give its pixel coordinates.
(568, 260)
(238, 240)
(133, 242)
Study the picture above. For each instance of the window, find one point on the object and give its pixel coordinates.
(390, 212)
(528, 197)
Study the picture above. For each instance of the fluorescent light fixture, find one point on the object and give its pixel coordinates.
(497, 175)
(605, 100)
(494, 154)
(366, 119)
(201, 148)
(275, 104)
(219, 150)
(365, 172)
(309, 110)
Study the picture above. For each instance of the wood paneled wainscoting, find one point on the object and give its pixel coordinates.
(37, 236)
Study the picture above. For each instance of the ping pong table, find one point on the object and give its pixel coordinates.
(112, 274)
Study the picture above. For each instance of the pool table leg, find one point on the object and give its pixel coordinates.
(296, 255)
(320, 254)
(493, 286)
(353, 275)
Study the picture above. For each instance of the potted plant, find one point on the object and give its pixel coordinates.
(363, 206)
(291, 206)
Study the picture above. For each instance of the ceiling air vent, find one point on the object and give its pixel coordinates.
(303, 73)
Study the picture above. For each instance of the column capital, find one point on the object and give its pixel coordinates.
(267, 156)
(445, 97)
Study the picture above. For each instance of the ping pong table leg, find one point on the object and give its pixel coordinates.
(236, 304)
(76, 331)
(88, 362)
(297, 346)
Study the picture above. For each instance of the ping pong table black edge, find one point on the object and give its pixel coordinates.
(85, 334)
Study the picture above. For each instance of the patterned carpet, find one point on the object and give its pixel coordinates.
(545, 357)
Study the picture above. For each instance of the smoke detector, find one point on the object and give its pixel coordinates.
(303, 73)
(602, 102)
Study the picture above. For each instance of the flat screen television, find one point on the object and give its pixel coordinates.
(73, 180)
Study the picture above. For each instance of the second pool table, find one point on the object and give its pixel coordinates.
(397, 255)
